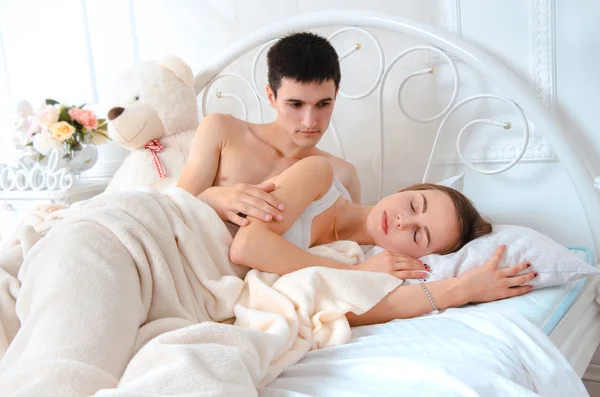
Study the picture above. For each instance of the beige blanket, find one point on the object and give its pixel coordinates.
(132, 294)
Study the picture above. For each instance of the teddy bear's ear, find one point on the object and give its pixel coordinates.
(180, 68)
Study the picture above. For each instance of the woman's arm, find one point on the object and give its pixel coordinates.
(259, 245)
(484, 283)
(408, 301)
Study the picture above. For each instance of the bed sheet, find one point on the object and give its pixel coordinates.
(461, 352)
(436, 355)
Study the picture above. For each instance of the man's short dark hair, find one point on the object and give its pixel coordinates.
(303, 57)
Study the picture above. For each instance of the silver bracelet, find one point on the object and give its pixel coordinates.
(435, 308)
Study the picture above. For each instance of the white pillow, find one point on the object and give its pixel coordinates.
(455, 182)
(554, 263)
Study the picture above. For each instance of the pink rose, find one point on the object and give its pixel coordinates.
(85, 117)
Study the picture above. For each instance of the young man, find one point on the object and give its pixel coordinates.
(230, 158)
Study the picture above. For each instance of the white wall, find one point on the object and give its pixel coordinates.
(72, 50)
(541, 195)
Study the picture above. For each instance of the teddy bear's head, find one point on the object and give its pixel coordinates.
(156, 99)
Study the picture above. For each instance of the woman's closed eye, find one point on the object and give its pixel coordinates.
(415, 235)
(412, 207)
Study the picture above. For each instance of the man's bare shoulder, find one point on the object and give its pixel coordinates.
(341, 167)
(221, 123)
(346, 173)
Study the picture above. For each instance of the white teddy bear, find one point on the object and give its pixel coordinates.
(156, 118)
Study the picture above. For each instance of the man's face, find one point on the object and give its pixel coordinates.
(303, 110)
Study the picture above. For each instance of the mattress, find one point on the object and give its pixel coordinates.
(568, 314)
(577, 333)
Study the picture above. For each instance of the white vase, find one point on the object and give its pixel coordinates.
(82, 160)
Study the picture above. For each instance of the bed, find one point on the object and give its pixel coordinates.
(569, 314)
(564, 313)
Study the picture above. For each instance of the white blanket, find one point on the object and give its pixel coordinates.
(132, 294)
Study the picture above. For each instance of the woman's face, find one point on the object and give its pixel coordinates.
(414, 223)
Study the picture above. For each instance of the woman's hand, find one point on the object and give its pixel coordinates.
(399, 265)
(487, 283)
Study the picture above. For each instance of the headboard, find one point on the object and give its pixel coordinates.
(528, 110)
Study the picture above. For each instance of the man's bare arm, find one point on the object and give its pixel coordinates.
(203, 162)
(201, 168)
(346, 173)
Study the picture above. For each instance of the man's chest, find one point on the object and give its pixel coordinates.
(248, 165)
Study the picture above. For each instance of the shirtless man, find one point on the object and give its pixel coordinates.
(230, 158)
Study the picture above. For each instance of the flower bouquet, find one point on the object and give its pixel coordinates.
(73, 131)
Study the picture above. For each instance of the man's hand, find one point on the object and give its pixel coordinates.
(235, 203)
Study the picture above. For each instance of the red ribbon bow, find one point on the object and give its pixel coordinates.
(154, 146)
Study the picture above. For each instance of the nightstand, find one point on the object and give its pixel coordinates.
(15, 204)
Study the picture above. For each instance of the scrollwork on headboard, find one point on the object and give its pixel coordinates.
(379, 84)
(221, 94)
(531, 111)
(503, 124)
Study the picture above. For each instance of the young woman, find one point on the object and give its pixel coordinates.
(414, 222)
(94, 290)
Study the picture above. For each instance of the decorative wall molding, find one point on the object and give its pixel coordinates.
(504, 153)
(543, 63)
(543, 72)
(543, 50)
(449, 17)
(538, 150)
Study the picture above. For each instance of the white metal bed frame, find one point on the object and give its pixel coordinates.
(517, 93)
(449, 47)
